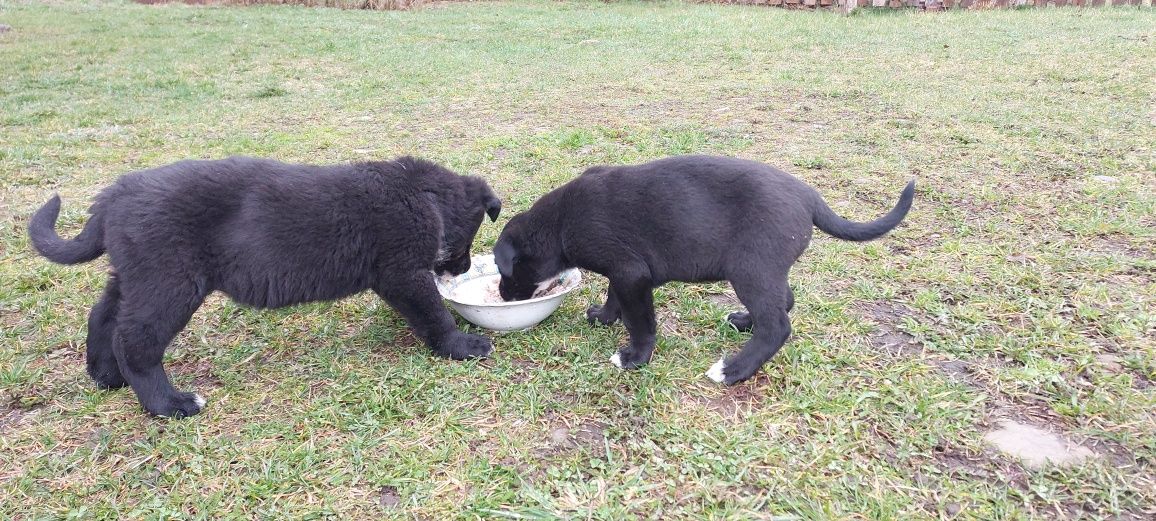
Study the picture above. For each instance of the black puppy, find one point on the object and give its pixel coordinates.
(267, 234)
(687, 218)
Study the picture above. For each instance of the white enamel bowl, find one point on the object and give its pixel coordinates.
(504, 316)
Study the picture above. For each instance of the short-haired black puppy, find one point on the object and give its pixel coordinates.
(267, 234)
(687, 218)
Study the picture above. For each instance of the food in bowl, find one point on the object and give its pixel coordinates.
(484, 290)
(481, 290)
(474, 295)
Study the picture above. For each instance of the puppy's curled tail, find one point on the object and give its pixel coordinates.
(85, 247)
(829, 222)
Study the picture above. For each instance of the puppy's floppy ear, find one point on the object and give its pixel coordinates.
(493, 206)
(479, 188)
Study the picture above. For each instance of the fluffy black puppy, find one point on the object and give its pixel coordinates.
(687, 218)
(267, 234)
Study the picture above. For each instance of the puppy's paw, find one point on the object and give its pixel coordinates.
(600, 315)
(727, 372)
(179, 405)
(463, 346)
(629, 359)
(716, 371)
(741, 320)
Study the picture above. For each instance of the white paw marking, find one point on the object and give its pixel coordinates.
(716, 371)
(198, 400)
(616, 360)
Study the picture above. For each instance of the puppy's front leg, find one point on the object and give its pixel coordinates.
(636, 302)
(415, 296)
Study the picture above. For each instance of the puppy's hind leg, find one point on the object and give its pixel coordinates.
(151, 313)
(768, 300)
(605, 314)
(99, 358)
(742, 321)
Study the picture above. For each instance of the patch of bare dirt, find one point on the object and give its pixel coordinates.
(200, 370)
(588, 434)
(888, 337)
(10, 418)
(405, 338)
(566, 435)
(733, 403)
(524, 369)
(1122, 246)
(667, 322)
(727, 300)
(388, 497)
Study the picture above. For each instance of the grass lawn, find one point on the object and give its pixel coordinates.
(1022, 286)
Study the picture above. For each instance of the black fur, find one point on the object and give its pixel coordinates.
(688, 218)
(268, 234)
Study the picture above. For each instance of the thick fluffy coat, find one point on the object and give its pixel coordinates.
(267, 234)
(687, 218)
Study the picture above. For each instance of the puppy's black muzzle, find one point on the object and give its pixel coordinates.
(454, 266)
(511, 290)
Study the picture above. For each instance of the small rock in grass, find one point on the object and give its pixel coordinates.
(1107, 179)
(560, 435)
(952, 509)
(1110, 362)
(1035, 446)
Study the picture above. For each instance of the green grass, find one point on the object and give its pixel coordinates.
(1020, 286)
